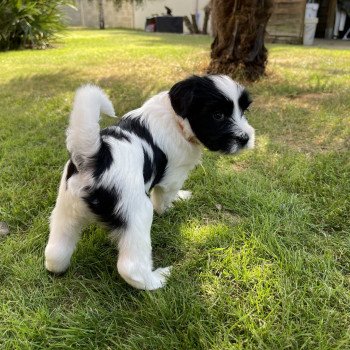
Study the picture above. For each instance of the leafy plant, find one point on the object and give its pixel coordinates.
(29, 23)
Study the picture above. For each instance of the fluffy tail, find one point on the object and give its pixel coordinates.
(83, 133)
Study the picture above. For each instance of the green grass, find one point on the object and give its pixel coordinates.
(269, 270)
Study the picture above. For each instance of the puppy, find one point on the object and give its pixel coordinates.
(118, 175)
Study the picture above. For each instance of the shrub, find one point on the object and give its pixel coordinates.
(29, 23)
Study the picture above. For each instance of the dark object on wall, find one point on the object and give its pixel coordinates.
(165, 24)
(169, 11)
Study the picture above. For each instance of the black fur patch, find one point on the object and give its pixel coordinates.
(147, 167)
(159, 164)
(102, 160)
(244, 101)
(160, 161)
(71, 170)
(102, 202)
(200, 101)
(115, 132)
(135, 126)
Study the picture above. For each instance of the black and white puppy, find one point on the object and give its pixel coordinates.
(150, 151)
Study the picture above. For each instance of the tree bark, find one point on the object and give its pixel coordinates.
(207, 10)
(194, 24)
(188, 24)
(101, 14)
(239, 27)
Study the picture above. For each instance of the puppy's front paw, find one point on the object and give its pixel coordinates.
(56, 260)
(183, 195)
(159, 278)
(142, 277)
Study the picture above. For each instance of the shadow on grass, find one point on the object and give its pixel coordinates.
(159, 39)
(35, 92)
(65, 81)
(44, 84)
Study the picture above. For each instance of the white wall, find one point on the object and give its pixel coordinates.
(132, 16)
(86, 14)
(179, 7)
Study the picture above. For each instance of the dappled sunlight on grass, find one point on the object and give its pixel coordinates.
(235, 271)
(207, 231)
(308, 122)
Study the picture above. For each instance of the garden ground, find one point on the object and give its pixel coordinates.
(261, 253)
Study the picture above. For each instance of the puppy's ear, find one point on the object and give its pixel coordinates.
(181, 96)
(244, 100)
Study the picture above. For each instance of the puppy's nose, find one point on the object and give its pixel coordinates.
(243, 140)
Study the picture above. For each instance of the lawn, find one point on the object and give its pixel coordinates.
(261, 253)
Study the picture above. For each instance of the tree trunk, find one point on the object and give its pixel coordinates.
(188, 24)
(101, 14)
(194, 24)
(239, 27)
(207, 10)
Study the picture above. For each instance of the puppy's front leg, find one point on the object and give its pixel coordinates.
(162, 199)
(135, 251)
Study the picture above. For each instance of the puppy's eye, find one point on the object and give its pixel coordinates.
(218, 117)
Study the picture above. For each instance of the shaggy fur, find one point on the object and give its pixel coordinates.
(117, 176)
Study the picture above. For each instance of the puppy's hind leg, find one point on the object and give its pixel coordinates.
(162, 199)
(135, 250)
(65, 226)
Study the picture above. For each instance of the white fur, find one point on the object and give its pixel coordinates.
(83, 133)
(65, 224)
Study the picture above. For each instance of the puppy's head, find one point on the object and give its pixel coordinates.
(214, 107)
